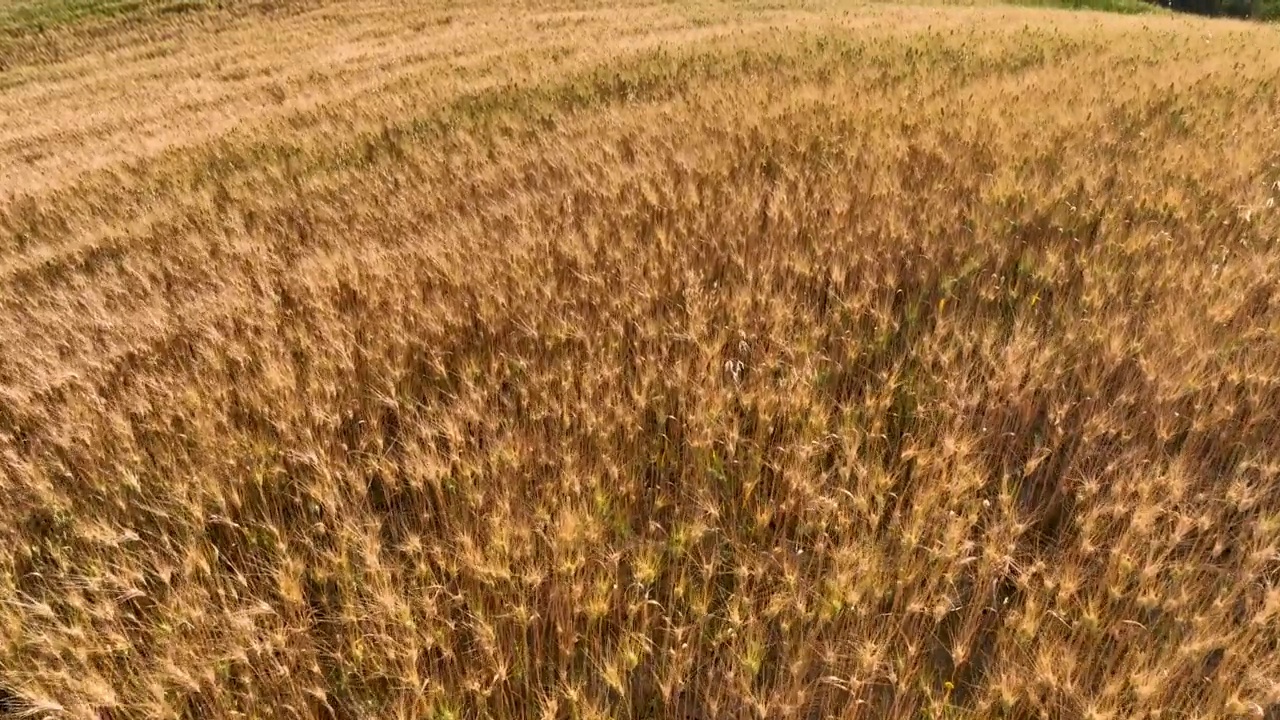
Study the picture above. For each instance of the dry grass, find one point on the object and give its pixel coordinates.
(796, 360)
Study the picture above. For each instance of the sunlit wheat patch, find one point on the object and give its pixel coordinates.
(579, 360)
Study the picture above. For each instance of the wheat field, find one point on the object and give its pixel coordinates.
(806, 359)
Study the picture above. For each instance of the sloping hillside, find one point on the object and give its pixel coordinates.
(399, 359)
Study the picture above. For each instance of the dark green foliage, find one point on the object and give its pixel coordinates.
(1266, 9)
